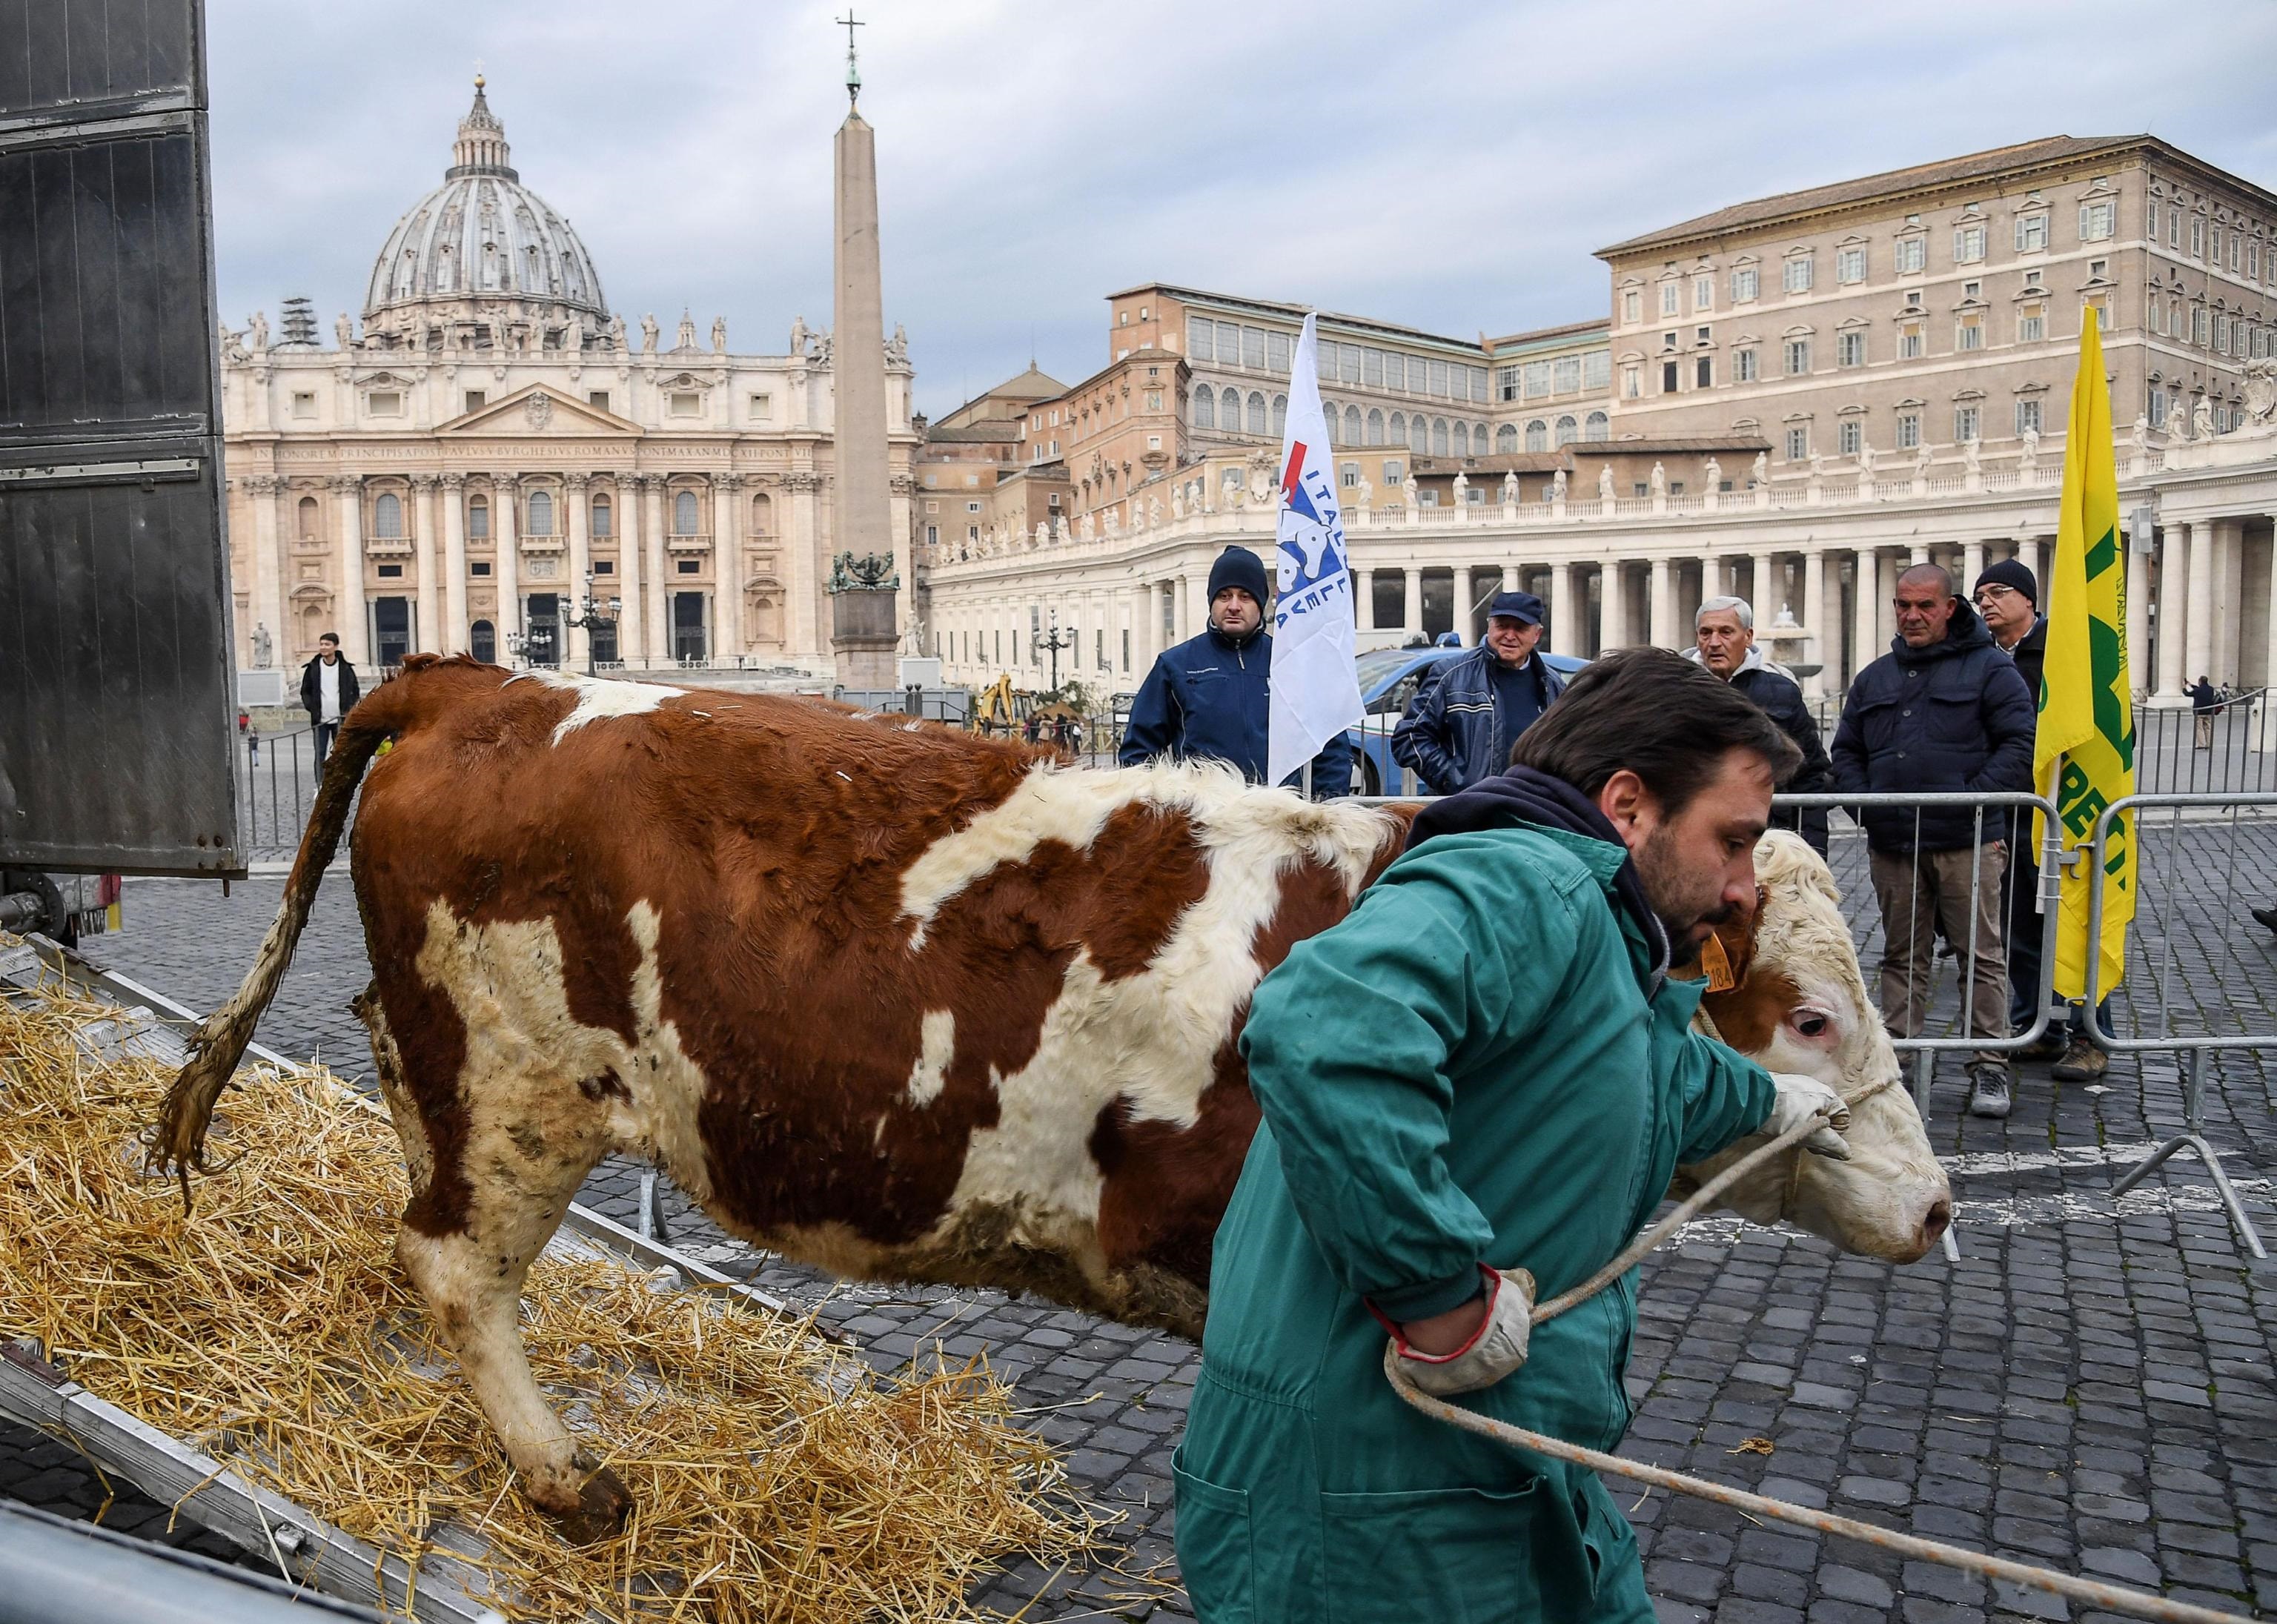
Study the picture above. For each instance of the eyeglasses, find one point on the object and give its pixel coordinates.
(1993, 594)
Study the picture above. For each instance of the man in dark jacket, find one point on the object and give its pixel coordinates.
(328, 691)
(1723, 640)
(2009, 597)
(1210, 697)
(1468, 715)
(1944, 710)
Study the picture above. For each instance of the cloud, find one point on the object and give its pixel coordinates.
(1450, 168)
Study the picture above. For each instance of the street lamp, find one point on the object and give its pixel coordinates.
(1052, 644)
(593, 614)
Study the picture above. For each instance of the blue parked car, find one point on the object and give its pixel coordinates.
(1388, 680)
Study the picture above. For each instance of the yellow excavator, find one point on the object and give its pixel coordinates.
(991, 710)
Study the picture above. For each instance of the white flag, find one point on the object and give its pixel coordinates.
(1315, 684)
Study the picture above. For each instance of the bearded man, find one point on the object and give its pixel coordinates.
(1480, 1082)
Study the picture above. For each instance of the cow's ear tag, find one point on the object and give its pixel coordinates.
(1717, 963)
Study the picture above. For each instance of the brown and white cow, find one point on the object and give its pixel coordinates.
(884, 997)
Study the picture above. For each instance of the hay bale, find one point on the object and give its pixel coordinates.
(774, 1479)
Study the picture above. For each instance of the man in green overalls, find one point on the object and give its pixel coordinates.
(1484, 1074)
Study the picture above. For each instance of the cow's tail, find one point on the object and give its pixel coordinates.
(178, 1142)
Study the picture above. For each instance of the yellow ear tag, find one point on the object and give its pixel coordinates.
(385, 746)
(1718, 966)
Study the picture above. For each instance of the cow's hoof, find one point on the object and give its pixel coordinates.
(604, 1504)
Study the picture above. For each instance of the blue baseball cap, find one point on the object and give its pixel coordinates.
(1523, 606)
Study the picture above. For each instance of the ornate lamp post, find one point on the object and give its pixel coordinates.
(593, 614)
(1052, 644)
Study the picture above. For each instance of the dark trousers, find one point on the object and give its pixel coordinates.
(2025, 924)
(326, 732)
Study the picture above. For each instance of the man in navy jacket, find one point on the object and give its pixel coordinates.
(1467, 715)
(1210, 697)
(1944, 710)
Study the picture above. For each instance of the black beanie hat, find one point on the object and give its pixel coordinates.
(2011, 573)
(1239, 567)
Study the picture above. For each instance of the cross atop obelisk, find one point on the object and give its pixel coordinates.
(862, 501)
(853, 73)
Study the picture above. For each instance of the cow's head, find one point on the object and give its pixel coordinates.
(1800, 1004)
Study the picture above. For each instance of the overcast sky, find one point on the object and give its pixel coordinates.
(1451, 167)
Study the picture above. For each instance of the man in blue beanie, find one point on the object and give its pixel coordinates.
(1209, 698)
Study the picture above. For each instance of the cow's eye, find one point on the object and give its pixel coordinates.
(1811, 1025)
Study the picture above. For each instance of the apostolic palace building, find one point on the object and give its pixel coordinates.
(1792, 399)
(493, 446)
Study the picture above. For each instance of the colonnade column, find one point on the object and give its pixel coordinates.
(1867, 608)
(1664, 607)
(2268, 730)
(659, 630)
(577, 641)
(2198, 645)
(505, 541)
(1829, 649)
(1564, 626)
(2138, 615)
(1613, 593)
(2174, 608)
(455, 637)
(1412, 616)
(726, 568)
(268, 596)
(356, 638)
(1764, 588)
(427, 618)
(632, 642)
(1364, 600)
(2229, 591)
(1972, 564)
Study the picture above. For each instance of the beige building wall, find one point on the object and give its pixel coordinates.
(1901, 317)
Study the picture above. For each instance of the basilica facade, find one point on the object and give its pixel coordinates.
(495, 465)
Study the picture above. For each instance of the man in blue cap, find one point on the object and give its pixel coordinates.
(1466, 716)
(1210, 697)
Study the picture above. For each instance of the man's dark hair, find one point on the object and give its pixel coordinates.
(329, 637)
(1664, 718)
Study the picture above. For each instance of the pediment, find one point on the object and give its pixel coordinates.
(537, 409)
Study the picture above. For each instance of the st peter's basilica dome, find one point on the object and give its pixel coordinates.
(481, 237)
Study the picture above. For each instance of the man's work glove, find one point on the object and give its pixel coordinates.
(1802, 1098)
(1496, 1349)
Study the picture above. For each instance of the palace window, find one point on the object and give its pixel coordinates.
(1911, 343)
(1276, 352)
(1967, 244)
(1848, 436)
(478, 518)
(387, 517)
(683, 513)
(1632, 307)
(2031, 233)
(1797, 442)
(1798, 357)
(1506, 438)
(1747, 284)
(1668, 296)
(1371, 368)
(1912, 255)
(1850, 348)
(1632, 381)
(1850, 264)
(1374, 426)
(1597, 369)
(1743, 366)
(1703, 293)
(1257, 412)
(1970, 335)
(2028, 415)
(2032, 324)
(604, 518)
(1703, 371)
(1966, 422)
(1568, 431)
(1205, 412)
(1597, 428)
(1537, 435)
(2098, 220)
(1794, 276)
(541, 514)
(1908, 430)
(1506, 383)
(1537, 379)
(1568, 374)
(2197, 237)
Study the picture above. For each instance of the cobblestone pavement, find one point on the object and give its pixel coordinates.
(2091, 1385)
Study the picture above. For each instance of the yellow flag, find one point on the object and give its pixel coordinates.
(2087, 716)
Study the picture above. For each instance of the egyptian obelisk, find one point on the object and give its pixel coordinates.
(866, 633)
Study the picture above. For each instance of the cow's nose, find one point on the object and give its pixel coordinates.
(1935, 1221)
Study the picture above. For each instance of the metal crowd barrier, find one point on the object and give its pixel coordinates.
(2196, 1049)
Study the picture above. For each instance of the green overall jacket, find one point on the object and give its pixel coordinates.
(1478, 1065)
